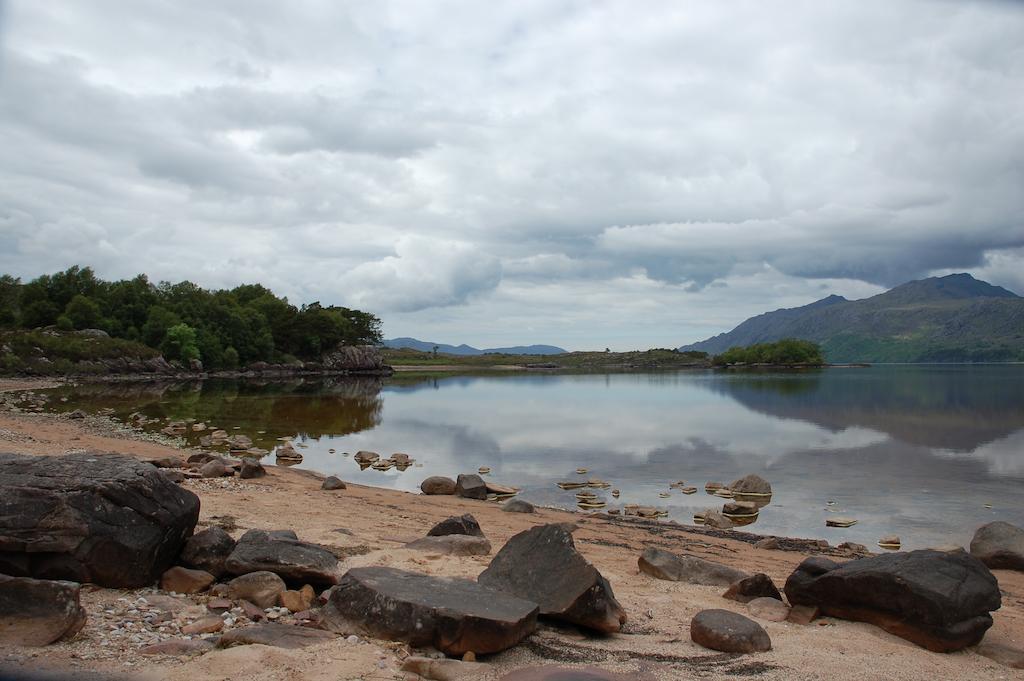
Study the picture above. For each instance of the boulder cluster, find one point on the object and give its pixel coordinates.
(116, 522)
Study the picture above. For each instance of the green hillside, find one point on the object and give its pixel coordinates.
(956, 318)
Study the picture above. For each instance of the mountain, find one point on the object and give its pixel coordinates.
(426, 346)
(955, 318)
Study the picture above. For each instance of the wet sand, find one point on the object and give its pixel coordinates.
(374, 523)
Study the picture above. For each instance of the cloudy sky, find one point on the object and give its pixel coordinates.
(586, 174)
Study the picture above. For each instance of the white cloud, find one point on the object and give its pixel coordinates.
(580, 174)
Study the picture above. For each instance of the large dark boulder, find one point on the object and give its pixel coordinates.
(542, 565)
(463, 524)
(999, 545)
(471, 486)
(662, 564)
(208, 550)
(453, 615)
(280, 552)
(35, 612)
(91, 517)
(938, 600)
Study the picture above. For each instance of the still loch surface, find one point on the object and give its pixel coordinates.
(926, 452)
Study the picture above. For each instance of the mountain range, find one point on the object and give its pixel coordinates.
(955, 318)
(426, 346)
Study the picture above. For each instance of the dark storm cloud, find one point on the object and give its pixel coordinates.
(514, 170)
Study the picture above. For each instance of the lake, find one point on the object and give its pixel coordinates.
(926, 452)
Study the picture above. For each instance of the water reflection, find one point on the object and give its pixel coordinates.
(917, 451)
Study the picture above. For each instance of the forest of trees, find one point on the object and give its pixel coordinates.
(785, 351)
(225, 329)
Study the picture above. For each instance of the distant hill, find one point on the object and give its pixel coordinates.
(955, 318)
(426, 346)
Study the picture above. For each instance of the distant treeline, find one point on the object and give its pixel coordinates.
(785, 351)
(225, 328)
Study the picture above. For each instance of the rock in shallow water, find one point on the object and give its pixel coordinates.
(453, 615)
(91, 517)
(940, 601)
(36, 612)
(690, 569)
(728, 632)
(542, 565)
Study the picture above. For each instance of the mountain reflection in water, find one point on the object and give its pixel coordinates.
(911, 450)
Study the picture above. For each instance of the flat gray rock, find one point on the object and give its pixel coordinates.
(453, 545)
(690, 569)
(273, 634)
(279, 552)
(453, 615)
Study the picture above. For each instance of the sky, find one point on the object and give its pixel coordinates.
(584, 174)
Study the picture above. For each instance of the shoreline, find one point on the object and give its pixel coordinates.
(370, 526)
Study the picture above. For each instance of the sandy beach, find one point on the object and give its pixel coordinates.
(370, 525)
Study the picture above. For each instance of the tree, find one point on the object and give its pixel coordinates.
(83, 312)
(159, 320)
(180, 343)
(10, 292)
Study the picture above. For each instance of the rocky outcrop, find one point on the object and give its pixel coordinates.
(751, 485)
(463, 524)
(355, 358)
(938, 600)
(542, 565)
(438, 484)
(207, 550)
(999, 545)
(279, 552)
(728, 632)
(455, 616)
(91, 517)
(35, 612)
(690, 569)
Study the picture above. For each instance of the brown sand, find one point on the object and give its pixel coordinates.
(379, 521)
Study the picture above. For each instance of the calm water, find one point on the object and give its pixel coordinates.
(919, 451)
